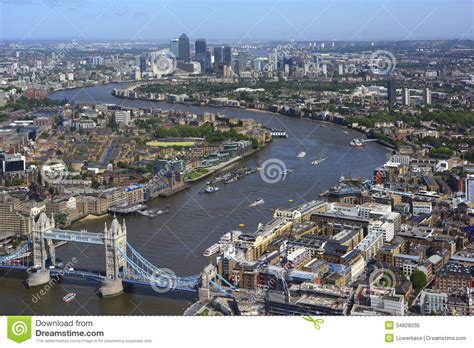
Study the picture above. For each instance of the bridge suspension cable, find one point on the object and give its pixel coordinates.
(20, 252)
(140, 269)
(156, 269)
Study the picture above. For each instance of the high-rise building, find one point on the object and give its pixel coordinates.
(242, 59)
(469, 185)
(200, 48)
(406, 96)
(392, 91)
(426, 96)
(143, 65)
(218, 54)
(227, 54)
(340, 68)
(272, 61)
(183, 48)
(324, 68)
(208, 60)
(174, 47)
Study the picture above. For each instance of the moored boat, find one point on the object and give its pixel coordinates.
(69, 297)
(257, 202)
(214, 248)
(318, 161)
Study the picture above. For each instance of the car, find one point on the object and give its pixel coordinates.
(33, 269)
(70, 269)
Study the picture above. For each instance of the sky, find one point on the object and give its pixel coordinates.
(244, 20)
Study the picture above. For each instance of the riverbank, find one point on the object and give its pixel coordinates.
(89, 85)
(120, 84)
(91, 217)
(256, 110)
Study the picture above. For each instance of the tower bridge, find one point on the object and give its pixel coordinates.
(123, 264)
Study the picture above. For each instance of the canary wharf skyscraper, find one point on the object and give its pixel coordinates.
(201, 52)
(184, 48)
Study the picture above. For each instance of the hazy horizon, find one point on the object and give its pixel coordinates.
(310, 20)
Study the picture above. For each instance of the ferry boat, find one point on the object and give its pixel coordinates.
(257, 202)
(318, 161)
(301, 154)
(357, 143)
(214, 248)
(279, 133)
(225, 240)
(69, 297)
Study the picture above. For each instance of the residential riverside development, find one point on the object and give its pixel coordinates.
(116, 163)
(362, 250)
(399, 242)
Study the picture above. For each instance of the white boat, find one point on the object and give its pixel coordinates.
(69, 297)
(257, 202)
(286, 171)
(214, 248)
(345, 132)
(318, 161)
(357, 143)
(229, 237)
(301, 154)
(211, 189)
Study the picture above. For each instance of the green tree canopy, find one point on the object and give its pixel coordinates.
(418, 279)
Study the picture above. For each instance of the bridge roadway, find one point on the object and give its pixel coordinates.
(75, 236)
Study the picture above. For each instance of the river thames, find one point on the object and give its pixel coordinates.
(177, 240)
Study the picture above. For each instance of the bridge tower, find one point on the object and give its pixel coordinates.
(39, 275)
(208, 274)
(115, 238)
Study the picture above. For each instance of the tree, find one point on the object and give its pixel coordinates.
(418, 279)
